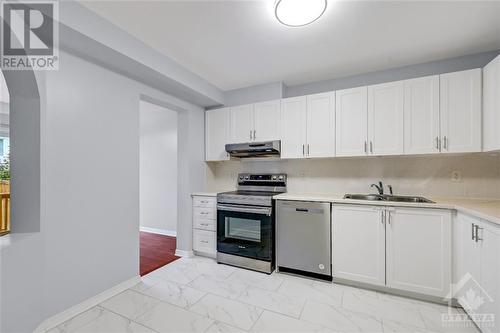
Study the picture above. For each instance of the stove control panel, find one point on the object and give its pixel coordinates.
(250, 179)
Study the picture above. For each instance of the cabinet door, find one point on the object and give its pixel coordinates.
(242, 123)
(267, 121)
(489, 239)
(385, 118)
(468, 260)
(421, 115)
(491, 105)
(419, 250)
(358, 241)
(293, 127)
(351, 122)
(204, 242)
(217, 124)
(460, 99)
(321, 125)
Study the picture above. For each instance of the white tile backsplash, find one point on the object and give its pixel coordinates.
(413, 175)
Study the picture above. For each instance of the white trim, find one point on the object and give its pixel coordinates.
(75, 310)
(184, 253)
(159, 231)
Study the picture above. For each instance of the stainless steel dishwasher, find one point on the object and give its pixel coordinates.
(304, 238)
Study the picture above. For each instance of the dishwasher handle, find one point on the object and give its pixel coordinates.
(301, 210)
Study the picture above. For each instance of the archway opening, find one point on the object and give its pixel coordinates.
(4, 157)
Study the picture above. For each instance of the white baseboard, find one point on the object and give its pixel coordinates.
(184, 253)
(67, 314)
(159, 231)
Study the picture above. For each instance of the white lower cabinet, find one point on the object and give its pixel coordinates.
(358, 243)
(204, 225)
(401, 248)
(418, 250)
(204, 242)
(477, 280)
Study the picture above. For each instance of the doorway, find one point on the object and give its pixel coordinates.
(4, 158)
(158, 185)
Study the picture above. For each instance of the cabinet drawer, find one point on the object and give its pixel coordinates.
(208, 202)
(204, 241)
(203, 213)
(204, 224)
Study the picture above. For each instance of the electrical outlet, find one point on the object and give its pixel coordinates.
(456, 176)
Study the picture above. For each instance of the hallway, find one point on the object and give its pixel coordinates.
(156, 251)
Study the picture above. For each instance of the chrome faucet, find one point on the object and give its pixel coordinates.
(379, 187)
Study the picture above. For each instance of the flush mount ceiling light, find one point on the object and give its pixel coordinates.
(297, 13)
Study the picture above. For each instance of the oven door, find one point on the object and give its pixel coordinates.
(245, 231)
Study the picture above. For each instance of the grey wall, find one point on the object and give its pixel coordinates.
(260, 93)
(84, 33)
(395, 74)
(88, 229)
(22, 252)
(266, 92)
(158, 168)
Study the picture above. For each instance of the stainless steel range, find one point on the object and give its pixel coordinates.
(245, 222)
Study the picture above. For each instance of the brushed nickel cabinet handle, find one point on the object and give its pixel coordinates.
(307, 149)
(445, 142)
(303, 150)
(371, 147)
(254, 131)
(250, 134)
(366, 150)
(437, 142)
(477, 233)
(473, 229)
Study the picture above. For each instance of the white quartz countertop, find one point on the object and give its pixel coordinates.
(487, 209)
(204, 194)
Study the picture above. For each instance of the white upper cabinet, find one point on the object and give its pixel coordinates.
(267, 121)
(418, 250)
(385, 118)
(217, 125)
(421, 115)
(293, 127)
(358, 243)
(433, 114)
(491, 105)
(460, 99)
(242, 123)
(321, 125)
(351, 122)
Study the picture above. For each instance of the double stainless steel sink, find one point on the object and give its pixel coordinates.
(386, 197)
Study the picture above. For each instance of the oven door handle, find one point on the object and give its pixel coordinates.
(246, 209)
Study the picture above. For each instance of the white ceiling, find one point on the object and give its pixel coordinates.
(237, 43)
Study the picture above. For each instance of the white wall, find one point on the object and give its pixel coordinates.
(412, 175)
(158, 168)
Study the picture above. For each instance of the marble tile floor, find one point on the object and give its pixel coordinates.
(198, 295)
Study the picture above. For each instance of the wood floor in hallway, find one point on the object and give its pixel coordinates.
(156, 251)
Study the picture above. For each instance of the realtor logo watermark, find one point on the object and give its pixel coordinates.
(30, 35)
(474, 299)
